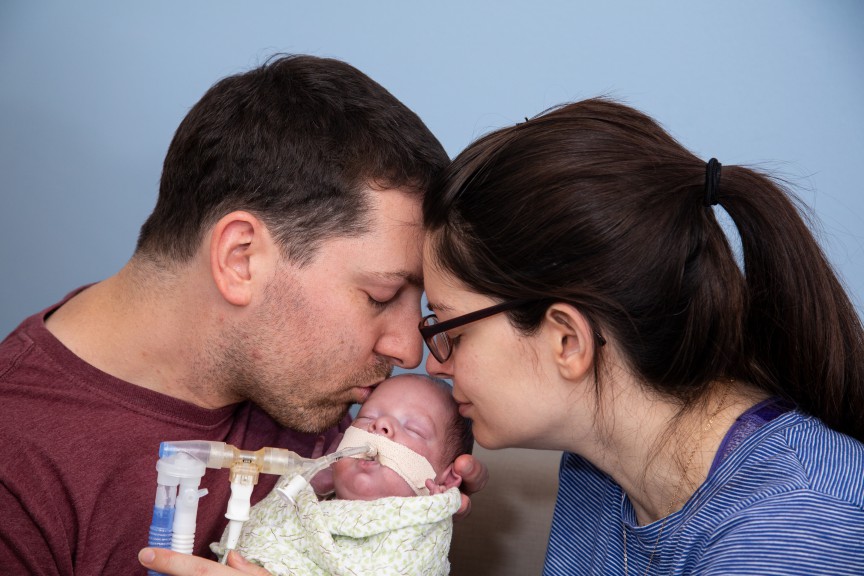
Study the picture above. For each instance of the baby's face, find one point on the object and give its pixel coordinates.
(408, 410)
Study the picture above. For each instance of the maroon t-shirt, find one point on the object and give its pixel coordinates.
(78, 452)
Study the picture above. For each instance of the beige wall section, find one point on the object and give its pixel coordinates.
(507, 530)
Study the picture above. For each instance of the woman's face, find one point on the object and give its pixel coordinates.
(503, 380)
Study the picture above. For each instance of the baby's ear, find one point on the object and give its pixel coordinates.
(448, 478)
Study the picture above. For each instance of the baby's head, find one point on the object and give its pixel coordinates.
(417, 412)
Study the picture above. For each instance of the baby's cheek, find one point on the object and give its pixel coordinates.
(341, 465)
(341, 471)
(397, 486)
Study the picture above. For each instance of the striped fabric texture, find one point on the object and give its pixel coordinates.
(788, 500)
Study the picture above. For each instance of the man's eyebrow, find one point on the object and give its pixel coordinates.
(401, 276)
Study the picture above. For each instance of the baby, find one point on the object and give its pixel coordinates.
(375, 524)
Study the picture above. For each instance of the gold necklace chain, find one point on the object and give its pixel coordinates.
(677, 493)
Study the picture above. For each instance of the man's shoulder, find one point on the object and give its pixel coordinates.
(31, 345)
(16, 343)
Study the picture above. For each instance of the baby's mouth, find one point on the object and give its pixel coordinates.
(369, 463)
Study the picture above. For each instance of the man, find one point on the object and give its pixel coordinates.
(275, 283)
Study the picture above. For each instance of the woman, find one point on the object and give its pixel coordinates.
(586, 299)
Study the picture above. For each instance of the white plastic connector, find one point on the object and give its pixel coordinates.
(238, 512)
(186, 512)
(289, 493)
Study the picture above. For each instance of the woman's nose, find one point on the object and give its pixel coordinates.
(439, 369)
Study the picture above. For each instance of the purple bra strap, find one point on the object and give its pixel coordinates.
(747, 423)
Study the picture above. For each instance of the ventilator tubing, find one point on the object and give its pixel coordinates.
(181, 466)
(176, 505)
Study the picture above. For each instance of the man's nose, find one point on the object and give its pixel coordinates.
(400, 344)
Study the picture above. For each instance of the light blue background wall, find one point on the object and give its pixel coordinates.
(91, 92)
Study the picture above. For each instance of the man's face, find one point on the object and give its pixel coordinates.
(325, 333)
(409, 410)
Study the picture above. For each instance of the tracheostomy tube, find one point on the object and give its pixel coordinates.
(300, 481)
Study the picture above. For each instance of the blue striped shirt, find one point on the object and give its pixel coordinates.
(788, 500)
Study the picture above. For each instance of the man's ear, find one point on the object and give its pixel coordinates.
(236, 241)
(571, 338)
(448, 478)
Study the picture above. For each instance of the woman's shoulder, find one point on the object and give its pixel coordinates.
(826, 455)
(794, 485)
(797, 456)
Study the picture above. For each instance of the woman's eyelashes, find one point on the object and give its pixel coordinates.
(454, 340)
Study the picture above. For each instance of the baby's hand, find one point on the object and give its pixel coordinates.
(435, 488)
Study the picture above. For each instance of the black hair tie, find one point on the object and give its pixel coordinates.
(712, 182)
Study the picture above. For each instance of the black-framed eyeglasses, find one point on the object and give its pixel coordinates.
(435, 335)
(440, 343)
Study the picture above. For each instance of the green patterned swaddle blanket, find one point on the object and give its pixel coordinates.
(395, 535)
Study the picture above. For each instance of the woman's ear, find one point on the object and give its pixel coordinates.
(237, 240)
(572, 340)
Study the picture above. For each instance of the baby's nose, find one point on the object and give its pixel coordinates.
(382, 426)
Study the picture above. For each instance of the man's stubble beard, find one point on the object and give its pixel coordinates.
(311, 396)
(292, 405)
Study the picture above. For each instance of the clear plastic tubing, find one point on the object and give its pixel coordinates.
(161, 528)
(173, 524)
(182, 464)
(163, 516)
(221, 455)
(300, 481)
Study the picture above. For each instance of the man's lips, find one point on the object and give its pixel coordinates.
(464, 408)
(361, 393)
